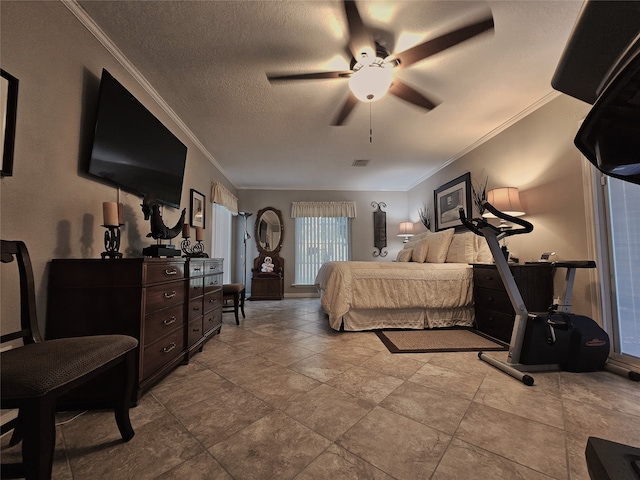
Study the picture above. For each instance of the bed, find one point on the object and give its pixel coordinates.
(430, 285)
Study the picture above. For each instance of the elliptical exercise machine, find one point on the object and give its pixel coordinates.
(544, 341)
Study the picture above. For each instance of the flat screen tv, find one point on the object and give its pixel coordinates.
(132, 149)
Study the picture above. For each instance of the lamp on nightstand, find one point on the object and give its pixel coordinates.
(507, 200)
(406, 231)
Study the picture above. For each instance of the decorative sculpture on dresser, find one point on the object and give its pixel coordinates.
(159, 231)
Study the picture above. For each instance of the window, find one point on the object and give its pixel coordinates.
(624, 234)
(319, 240)
(221, 238)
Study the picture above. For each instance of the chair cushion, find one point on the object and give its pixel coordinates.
(231, 288)
(36, 369)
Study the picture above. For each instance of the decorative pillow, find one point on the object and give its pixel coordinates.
(462, 248)
(439, 245)
(420, 236)
(420, 251)
(483, 254)
(404, 255)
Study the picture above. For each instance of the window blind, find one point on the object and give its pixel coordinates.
(319, 240)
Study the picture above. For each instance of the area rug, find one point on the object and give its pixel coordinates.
(438, 340)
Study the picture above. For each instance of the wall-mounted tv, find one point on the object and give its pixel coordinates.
(132, 149)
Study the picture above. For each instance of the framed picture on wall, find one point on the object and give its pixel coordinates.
(8, 113)
(198, 210)
(449, 199)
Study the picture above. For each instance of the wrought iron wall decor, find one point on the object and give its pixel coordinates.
(379, 229)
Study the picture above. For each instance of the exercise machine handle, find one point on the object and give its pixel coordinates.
(527, 227)
(476, 224)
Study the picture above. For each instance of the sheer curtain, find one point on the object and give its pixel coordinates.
(221, 238)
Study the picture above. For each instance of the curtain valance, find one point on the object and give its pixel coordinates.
(222, 196)
(323, 209)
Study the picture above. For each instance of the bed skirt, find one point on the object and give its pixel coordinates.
(414, 318)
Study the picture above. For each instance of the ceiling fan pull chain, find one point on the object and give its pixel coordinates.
(370, 128)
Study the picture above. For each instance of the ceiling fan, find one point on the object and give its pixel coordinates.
(373, 67)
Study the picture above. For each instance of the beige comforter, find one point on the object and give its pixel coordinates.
(392, 285)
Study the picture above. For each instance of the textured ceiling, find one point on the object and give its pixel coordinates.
(208, 60)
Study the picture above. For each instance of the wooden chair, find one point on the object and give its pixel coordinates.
(236, 293)
(36, 373)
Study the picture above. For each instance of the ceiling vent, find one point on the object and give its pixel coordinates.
(360, 163)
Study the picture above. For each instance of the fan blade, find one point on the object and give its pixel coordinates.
(347, 107)
(309, 76)
(359, 37)
(436, 45)
(409, 94)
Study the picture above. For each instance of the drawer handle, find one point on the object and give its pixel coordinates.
(197, 269)
(490, 299)
(171, 272)
(488, 277)
(212, 300)
(195, 308)
(170, 347)
(169, 321)
(195, 330)
(215, 282)
(170, 295)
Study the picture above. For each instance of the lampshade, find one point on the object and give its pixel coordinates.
(371, 82)
(406, 231)
(505, 199)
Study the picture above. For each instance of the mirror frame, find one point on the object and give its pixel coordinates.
(256, 233)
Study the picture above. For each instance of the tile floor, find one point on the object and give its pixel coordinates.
(283, 396)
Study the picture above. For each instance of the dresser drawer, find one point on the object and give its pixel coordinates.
(196, 267)
(194, 332)
(163, 296)
(492, 300)
(212, 320)
(161, 352)
(196, 287)
(160, 323)
(487, 278)
(195, 309)
(213, 300)
(495, 324)
(164, 272)
(213, 266)
(212, 283)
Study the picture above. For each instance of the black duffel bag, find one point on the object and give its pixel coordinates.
(575, 342)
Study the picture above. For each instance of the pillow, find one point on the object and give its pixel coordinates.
(420, 251)
(483, 254)
(404, 255)
(462, 248)
(439, 245)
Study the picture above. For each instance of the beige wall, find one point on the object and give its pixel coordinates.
(537, 155)
(49, 202)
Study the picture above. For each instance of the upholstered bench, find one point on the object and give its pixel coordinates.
(235, 292)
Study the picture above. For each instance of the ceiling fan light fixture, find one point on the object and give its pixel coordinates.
(371, 82)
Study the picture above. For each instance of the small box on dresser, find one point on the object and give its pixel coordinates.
(493, 310)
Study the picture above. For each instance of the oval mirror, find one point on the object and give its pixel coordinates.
(269, 230)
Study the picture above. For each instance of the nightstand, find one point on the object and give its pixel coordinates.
(493, 310)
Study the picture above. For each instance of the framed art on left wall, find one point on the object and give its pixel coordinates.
(198, 209)
(8, 113)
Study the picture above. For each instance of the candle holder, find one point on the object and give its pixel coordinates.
(193, 251)
(111, 242)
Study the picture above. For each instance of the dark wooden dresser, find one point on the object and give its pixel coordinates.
(494, 313)
(150, 299)
(205, 301)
